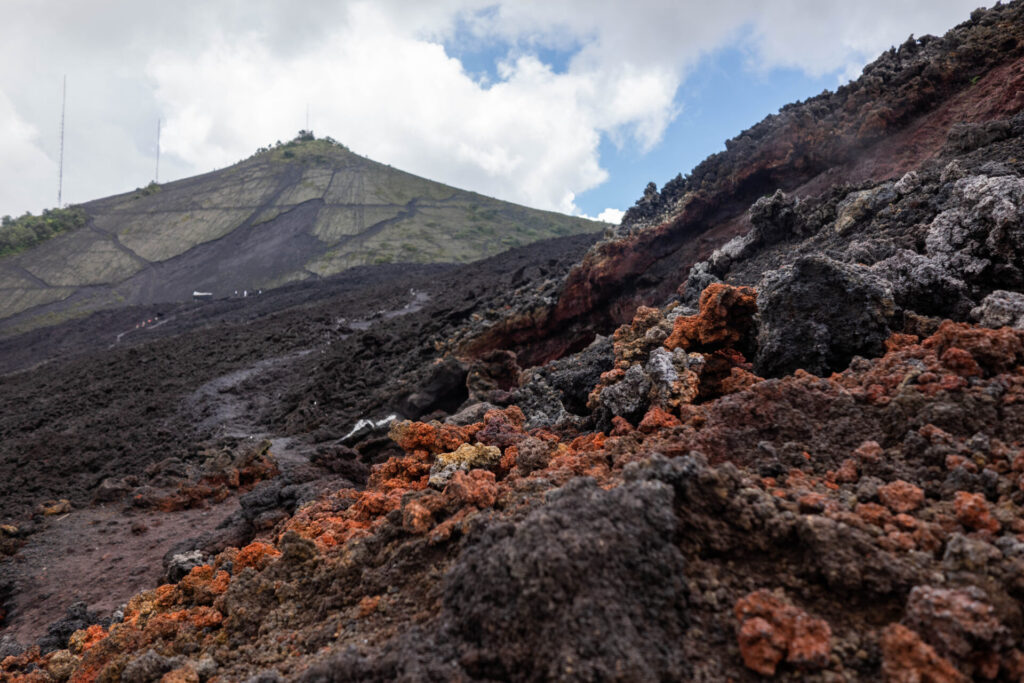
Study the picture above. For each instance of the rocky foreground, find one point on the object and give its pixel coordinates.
(793, 449)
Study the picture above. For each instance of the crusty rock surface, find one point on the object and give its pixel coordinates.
(772, 427)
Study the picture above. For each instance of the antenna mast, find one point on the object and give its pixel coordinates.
(60, 172)
(307, 117)
(156, 178)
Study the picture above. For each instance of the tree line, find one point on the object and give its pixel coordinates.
(19, 234)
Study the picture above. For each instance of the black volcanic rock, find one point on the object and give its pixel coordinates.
(694, 521)
(567, 568)
(818, 314)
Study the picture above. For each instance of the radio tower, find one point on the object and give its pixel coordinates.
(156, 178)
(60, 172)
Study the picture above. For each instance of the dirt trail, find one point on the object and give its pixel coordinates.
(103, 554)
(222, 404)
(100, 555)
(231, 404)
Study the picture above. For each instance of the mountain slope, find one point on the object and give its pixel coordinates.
(303, 210)
(928, 97)
(798, 456)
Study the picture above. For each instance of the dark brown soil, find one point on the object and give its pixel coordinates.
(79, 407)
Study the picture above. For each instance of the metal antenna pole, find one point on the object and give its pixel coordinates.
(307, 117)
(156, 178)
(60, 171)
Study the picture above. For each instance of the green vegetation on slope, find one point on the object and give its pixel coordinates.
(304, 147)
(294, 210)
(19, 234)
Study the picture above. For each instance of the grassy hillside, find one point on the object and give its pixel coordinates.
(303, 209)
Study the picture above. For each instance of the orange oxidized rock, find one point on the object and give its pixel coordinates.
(873, 513)
(771, 630)
(416, 518)
(908, 659)
(431, 437)
(475, 488)
(972, 511)
(593, 441)
(620, 426)
(658, 418)
(869, 452)
(901, 496)
(726, 316)
(811, 503)
(898, 341)
(84, 640)
(201, 585)
(994, 351)
(762, 645)
(847, 472)
(961, 362)
(255, 555)
(738, 380)
(400, 472)
(367, 606)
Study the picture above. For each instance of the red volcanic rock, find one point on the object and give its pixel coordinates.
(961, 362)
(634, 342)
(670, 362)
(847, 472)
(367, 606)
(432, 437)
(973, 512)
(84, 640)
(901, 496)
(994, 351)
(739, 379)
(908, 659)
(898, 341)
(658, 418)
(726, 316)
(256, 555)
(477, 487)
(620, 426)
(202, 585)
(811, 502)
(762, 645)
(772, 630)
(869, 452)
(959, 623)
(416, 518)
(873, 513)
(905, 522)
(502, 428)
(401, 472)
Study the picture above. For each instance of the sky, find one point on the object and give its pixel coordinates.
(570, 106)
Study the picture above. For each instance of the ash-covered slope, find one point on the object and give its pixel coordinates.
(303, 210)
(800, 456)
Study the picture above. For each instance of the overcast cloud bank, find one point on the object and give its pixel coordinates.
(227, 77)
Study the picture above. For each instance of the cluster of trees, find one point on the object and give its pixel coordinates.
(303, 136)
(19, 234)
(152, 188)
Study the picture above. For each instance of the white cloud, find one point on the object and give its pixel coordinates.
(29, 177)
(609, 215)
(823, 37)
(531, 138)
(228, 76)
